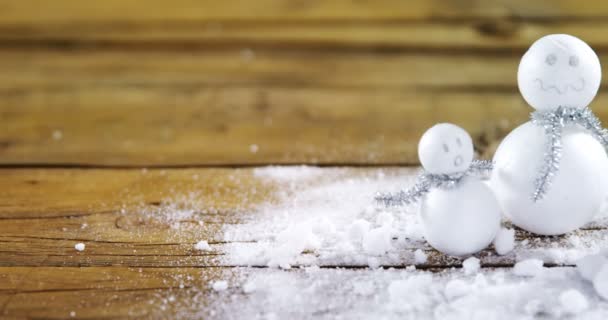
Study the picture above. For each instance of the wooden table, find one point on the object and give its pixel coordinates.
(117, 116)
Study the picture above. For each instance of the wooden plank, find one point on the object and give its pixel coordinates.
(113, 292)
(298, 293)
(179, 109)
(243, 126)
(503, 36)
(96, 196)
(31, 11)
(164, 235)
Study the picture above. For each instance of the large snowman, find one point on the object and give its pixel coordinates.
(551, 174)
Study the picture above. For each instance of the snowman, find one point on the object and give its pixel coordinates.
(550, 174)
(459, 212)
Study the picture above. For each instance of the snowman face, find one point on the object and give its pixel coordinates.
(445, 149)
(559, 70)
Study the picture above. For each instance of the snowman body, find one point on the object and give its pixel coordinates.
(461, 220)
(558, 71)
(577, 189)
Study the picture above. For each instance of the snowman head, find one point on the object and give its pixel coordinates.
(445, 148)
(559, 70)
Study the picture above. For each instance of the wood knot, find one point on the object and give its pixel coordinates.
(499, 28)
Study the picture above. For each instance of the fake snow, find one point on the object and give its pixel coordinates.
(325, 217)
(573, 301)
(79, 246)
(590, 265)
(420, 257)
(202, 246)
(314, 293)
(600, 282)
(528, 268)
(220, 285)
(505, 241)
(471, 265)
(377, 242)
(456, 288)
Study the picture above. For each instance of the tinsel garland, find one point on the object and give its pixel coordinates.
(427, 181)
(553, 123)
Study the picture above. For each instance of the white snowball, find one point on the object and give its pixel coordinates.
(385, 219)
(220, 285)
(377, 241)
(577, 190)
(590, 265)
(462, 220)
(79, 246)
(358, 229)
(505, 241)
(249, 287)
(456, 288)
(528, 268)
(471, 265)
(600, 282)
(420, 257)
(202, 245)
(445, 148)
(559, 70)
(573, 301)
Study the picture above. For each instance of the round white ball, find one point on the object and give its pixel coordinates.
(577, 189)
(462, 220)
(559, 70)
(445, 148)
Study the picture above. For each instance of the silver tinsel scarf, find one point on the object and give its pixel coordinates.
(553, 123)
(427, 181)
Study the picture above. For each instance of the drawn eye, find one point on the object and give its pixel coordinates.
(551, 59)
(445, 148)
(573, 61)
(458, 142)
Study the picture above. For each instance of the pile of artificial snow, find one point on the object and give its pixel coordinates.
(314, 293)
(326, 217)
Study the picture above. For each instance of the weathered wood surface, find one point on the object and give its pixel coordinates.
(191, 83)
(178, 109)
(140, 226)
(200, 83)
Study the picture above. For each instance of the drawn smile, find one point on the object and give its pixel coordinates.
(577, 86)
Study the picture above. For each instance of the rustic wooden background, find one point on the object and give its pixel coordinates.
(91, 92)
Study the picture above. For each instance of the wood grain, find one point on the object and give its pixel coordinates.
(132, 233)
(32, 12)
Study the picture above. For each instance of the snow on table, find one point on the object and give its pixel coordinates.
(315, 240)
(267, 243)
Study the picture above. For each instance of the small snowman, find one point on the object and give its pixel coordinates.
(459, 213)
(551, 173)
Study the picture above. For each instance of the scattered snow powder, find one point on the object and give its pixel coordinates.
(253, 148)
(505, 241)
(249, 287)
(411, 294)
(79, 246)
(377, 242)
(420, 257)
(456, 288)
(528, 268)
(590, 265)
(57, 135)
(202, 246)
(573, 301)
(600, 282)
(471, 265)
(220, 285)
(358, 230)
